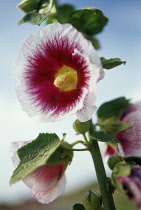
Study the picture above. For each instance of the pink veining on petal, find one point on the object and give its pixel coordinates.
(50, 195)
(130, 139)
(131, 108)
(44, 178)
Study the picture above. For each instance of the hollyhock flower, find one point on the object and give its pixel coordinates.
(132, 185)
(56, 74)
(45, 182)
(130, 139)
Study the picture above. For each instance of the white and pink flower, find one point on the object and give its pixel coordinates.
(57, 70)
(46, 182)
(130, 139)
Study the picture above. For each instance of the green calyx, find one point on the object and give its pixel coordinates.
(114, 160)
(81, 127)
(120, 170)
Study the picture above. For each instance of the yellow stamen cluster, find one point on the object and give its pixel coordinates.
(66, 79)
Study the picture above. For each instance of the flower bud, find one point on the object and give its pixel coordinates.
(121, 169)
(28, 5)
(81, 127)
(113, 160)
(92, 201)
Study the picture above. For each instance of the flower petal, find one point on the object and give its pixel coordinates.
(13, 148)
(130, 139)
(85, 113)
(46, 197)
(44, 178)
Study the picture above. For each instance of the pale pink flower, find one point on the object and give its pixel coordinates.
(57, 71)
(130, 139)
(45, 182)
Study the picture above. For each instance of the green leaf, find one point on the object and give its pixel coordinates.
(37, 16)
(89, 21)
(63, 154)
(33, 18)
(133, 160)
(111, 63)
(78, 206)
(63, 12)
(101, 136)
(113, 108)
(34, 155)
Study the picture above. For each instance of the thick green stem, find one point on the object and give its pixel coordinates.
(104, 186)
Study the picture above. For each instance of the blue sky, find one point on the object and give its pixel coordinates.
(120, 38)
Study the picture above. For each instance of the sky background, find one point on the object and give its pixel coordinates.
(120, 38)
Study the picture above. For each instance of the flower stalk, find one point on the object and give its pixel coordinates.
(103, 182)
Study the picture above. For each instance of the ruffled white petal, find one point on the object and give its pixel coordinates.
(86, 112)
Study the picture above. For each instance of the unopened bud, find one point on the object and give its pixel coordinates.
(28, 5)
(113, 160)
(120, 170)
(92, 201)
(81, 127)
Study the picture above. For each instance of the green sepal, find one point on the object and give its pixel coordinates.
(133, 160)
(78, 206)
(93, 20)
(92, 201)
(29, 5)
(111, 63)
(37, 16)
(121, 169)
(114, 160)
(113, 108)
(112, 126)
(81, 127)
(34, 155)
(101, 136)
(63, 154)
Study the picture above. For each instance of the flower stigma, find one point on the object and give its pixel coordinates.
(66, 79)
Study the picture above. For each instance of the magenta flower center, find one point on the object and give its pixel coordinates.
(66, 79)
